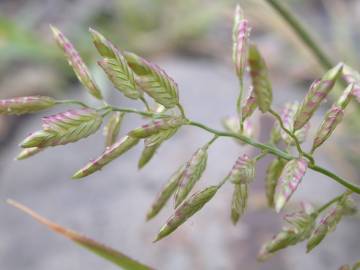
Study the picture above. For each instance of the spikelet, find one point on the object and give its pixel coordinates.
(332, 118)
(351, 76)
(273, 173)
(111, 153)
(243, 171)
(120, 74)
(78, 65)
(112, 128)
(193, 171)
(328, 223)
(104, 46)
(290, 179)
(239, 202)
(287, 116)
(154, 81)
(260, 79)
(317, 92)
(23, 105)
(302, 224)
(250, 104)
(152, 144)
(28, 152)
(157, 126)
(186, 210)
(165, 193)
(241, 33)
(63, 128)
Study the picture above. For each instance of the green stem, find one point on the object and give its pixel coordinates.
(277, 152)
(181, 110)
(301, 32)
(325, 206)
(261, 155)
(335, 177)
(247, 140)
(239, 103)
(127, 110)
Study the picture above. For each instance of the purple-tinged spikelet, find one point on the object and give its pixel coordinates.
(316, 94)
(287, 116)
(302, 224)
(63, 128)
(239, 202)
(186, 210)
(78, 65)
(165, 193)
(249, 104)
(241, 33)
(328, 223)
(243, 171)
(23, 105)
(157, 126)
(111, 153)
(290, 179)
(332, 118)
(112, 128)
(260, 79)
(351, 76)
(193, 171)
(273, 173)
(154, 80)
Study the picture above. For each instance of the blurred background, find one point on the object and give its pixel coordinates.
(191, 40)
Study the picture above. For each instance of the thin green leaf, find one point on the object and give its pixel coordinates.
(99, 249)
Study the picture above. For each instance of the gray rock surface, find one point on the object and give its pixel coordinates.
(110, 206)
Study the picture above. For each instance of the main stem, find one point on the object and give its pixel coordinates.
(277, 152)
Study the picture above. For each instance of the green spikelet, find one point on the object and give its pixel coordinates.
(157, 126)
(239, 202)
(193, 171)
(260, 79)
(165, 193)
(186, 210)
(23, 105)
(64, 128)
(111, 153)
(112, 128)
(273, 173)
(154, 81)
(29, 152)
